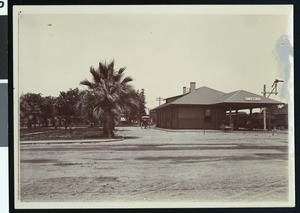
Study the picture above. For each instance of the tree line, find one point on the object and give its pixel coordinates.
(107, 97)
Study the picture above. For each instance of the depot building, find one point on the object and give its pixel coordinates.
(205, 108)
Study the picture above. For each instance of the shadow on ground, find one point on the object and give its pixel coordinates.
(130, 137)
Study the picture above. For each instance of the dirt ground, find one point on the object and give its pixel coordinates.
(159, 165)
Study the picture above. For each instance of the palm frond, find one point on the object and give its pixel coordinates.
(121, 70)
(98, 112)
(117, 77)
(87, 83)
(111, 65)
(110, 69)
(103, 70)
(113, 98)
(96, 75)
(127, 79)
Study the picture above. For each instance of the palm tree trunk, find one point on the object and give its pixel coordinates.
(107, 126)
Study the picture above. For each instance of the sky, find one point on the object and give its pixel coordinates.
(162, 52)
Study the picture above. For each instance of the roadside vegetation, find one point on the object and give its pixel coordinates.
(73, 133)
(109, 99)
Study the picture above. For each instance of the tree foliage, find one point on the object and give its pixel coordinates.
(86, 107)
(108, 97)
(112, 95)
(66, 105)
(47, 109)
(30, 108)
(142, 103)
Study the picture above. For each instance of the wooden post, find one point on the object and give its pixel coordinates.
(251, 126)
(229, 115)
(269, 118)
(236, 119)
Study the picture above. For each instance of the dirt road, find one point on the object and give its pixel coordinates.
(159, 165)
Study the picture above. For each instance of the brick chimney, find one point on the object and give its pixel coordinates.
(184, 90)
(192, 86)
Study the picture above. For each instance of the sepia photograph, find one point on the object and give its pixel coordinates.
(157, 106)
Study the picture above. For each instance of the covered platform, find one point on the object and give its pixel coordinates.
(243, 100)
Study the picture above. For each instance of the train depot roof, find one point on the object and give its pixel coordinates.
(205, 96)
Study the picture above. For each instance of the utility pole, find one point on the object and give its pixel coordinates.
(265, 109)
(274, 86)
(159, 99)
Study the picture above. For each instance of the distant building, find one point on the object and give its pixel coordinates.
(205, 108)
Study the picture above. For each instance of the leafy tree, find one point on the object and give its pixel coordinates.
(47, 109)
(30, 108)
(66, 105)
(86, 107)
(142, 103)
(112, 95)
(135, 113)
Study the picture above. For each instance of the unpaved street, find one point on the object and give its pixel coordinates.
(159, 165)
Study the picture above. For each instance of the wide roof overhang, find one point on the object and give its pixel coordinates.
(240, 106)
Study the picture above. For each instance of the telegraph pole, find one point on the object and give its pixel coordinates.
(265, 109)
(274, 86)
(159, 99)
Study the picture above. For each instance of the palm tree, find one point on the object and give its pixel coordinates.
(111, 95)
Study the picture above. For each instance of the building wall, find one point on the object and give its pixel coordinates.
(190, 117)
(174, 119)
(164, 117)
(153, 116)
